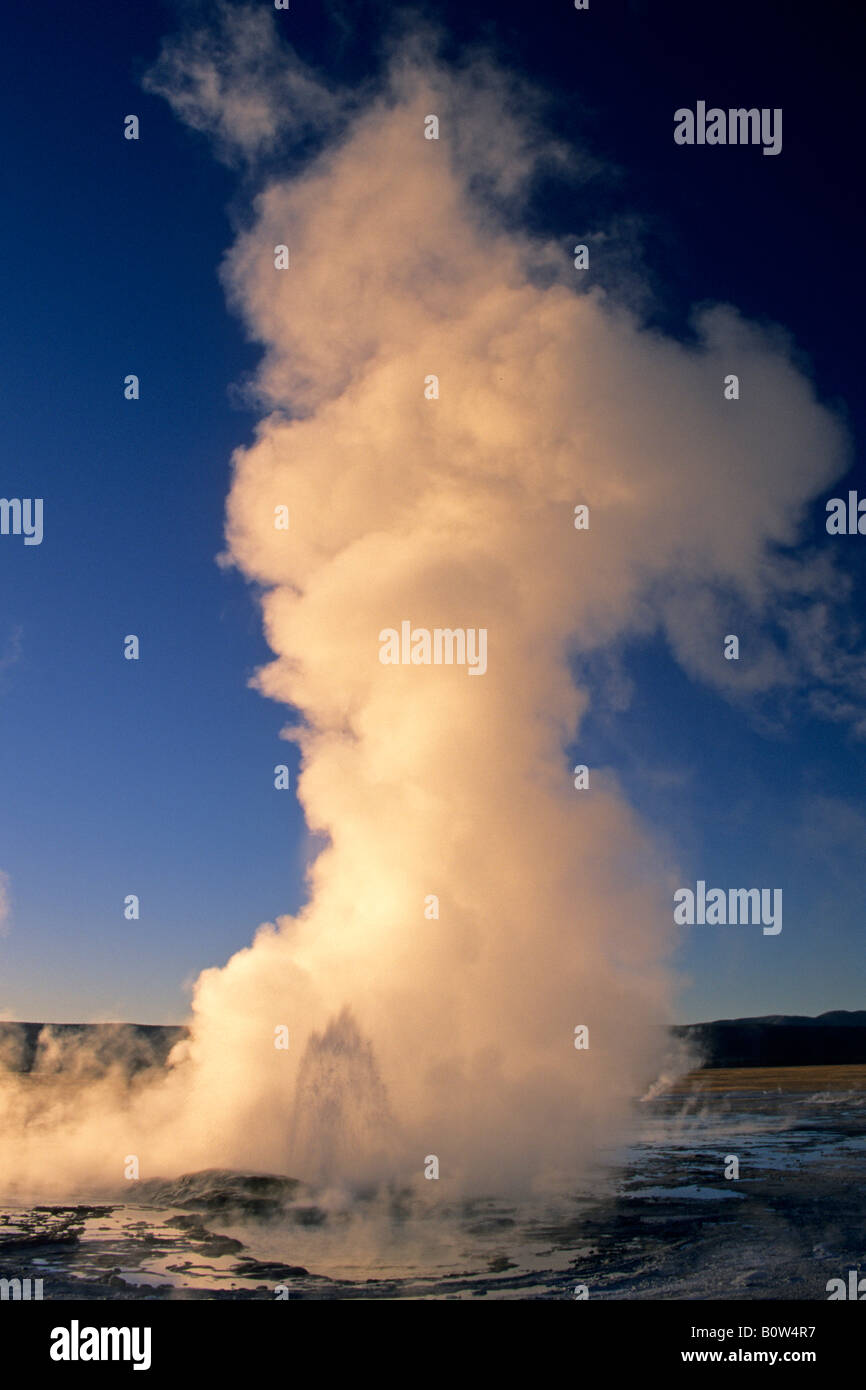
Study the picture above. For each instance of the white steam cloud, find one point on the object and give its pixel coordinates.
(454, 1036)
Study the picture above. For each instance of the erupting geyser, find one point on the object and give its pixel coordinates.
(341, 1108)
(553, 904)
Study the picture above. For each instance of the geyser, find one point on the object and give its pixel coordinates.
(553, 903)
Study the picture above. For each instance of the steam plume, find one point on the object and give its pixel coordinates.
(457, 512)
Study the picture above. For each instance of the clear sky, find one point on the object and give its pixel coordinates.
(156, 777)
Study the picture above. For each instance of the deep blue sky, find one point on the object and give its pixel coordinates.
(156, 777)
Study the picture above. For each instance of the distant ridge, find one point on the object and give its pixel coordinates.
(836, 1018)
(835, 1038)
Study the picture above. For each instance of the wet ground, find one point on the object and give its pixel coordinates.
(664, 1222)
